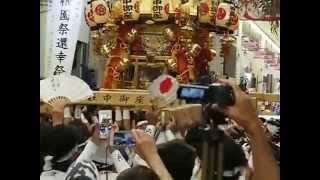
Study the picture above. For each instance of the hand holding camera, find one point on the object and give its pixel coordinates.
(243, 111)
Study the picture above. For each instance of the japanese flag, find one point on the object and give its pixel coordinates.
(164, 90)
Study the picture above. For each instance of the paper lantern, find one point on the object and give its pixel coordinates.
(130, 10)
(234, 20)
(228, 16)
(206, 12)
(100, 11)
(116, 10)
(174, 6)
(223, 15)
(146, 6)
(88, 14)
(160, 10)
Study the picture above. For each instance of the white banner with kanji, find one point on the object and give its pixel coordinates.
(63, 28)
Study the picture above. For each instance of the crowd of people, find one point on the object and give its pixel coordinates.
(71, 148)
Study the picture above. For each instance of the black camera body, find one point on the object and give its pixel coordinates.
(213, 94)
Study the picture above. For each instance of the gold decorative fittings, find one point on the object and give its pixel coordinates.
(169, 34)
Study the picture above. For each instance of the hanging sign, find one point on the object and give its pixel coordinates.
(63, 25)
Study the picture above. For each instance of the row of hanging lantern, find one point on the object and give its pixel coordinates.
(211, 12)
(102, 16)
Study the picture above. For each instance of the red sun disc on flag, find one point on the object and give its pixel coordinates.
(221, 14)
(204, 9)
(166, 85)
(101, 10)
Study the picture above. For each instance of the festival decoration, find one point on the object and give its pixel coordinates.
(163, 36)
(160, 10)
(130, 10)
(99, 11)
(89, 16)
(207, 11)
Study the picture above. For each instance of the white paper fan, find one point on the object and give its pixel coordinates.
(70, 87)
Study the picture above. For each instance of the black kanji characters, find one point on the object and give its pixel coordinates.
(139, 100)
(107, 98)
(61, 56)
(64, 2)
(94, 98)
(58, 70)
(63, 29)
(124, 98)
(62, 43)
(64, 16)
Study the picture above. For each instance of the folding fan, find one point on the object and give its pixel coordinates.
(64, 86)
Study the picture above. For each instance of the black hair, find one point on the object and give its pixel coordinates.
(263, 120)
(58, 141)
(233, 153)
(138, 173)
(45, 131)
(179, 158)
(82, 178)
(81, 129)
(91, 110)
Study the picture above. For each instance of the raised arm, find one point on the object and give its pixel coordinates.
(146, 148)
(244, 113)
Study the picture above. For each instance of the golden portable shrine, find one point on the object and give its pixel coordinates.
(141, 39)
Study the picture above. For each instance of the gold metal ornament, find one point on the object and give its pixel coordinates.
(169, 34)
(123, 63)
(105, 51)
(95, 34)
(186, 18)
(195, 50)
(132, 35)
